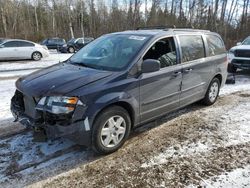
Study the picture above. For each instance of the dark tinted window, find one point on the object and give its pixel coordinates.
(246, 41)
(80, 41)
(215, 45)
(51, 41)
(88, 39)
(11, 44)
(60, 41)
(163, 50)
(192, 47)
(25, 44)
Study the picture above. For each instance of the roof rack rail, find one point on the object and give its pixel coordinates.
(191, 30)
(156, 27)
(173, 28)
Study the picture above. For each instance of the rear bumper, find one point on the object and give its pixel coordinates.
(45, 54)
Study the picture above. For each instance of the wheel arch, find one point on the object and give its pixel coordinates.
(219, 76)
(125, 105)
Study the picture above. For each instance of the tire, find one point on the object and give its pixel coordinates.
(212, 92)
(71, 49)
(110, 130)
(36, 56)
(231, 68)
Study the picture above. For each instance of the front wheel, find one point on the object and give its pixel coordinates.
(212, 92)
(111, 129)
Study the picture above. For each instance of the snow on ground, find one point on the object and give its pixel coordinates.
(28, 64)
(235, 131)
(238, 178)
(7, 89)
(19, 68)
(242, 84)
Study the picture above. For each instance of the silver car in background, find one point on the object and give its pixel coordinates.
(14, 49)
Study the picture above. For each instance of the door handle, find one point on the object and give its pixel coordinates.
(188, 70)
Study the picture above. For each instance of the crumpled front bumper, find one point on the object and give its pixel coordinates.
(76, 129)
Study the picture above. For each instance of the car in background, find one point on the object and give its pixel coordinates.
(239, 56)
(54, 43)
(75, 44)
(14, 49)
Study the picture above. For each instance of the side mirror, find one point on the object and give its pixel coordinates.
(238, 43)
(150, 65)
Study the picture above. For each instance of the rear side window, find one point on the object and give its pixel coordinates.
(80, 41)
(51, 41)
(11, 44)
(192, 47)
(25, 44)
(215, 45)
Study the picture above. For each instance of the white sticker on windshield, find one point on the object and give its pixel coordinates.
(137, 37)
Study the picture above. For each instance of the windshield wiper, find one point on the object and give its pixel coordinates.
(80, 64)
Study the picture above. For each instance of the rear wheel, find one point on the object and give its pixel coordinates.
(212, 92)
(110, 130)
(36, 56)
(71, 49)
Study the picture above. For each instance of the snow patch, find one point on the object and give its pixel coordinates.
(236, 179)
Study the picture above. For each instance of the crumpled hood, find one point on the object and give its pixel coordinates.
(58, 80)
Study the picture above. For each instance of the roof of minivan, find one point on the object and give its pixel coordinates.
(155, 32)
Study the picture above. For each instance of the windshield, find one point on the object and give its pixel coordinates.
(246, 41)
(110, 52)
(71, 40)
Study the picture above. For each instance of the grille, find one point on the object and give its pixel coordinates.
(242, 53)
(242, 62)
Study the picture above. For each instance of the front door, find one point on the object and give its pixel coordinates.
(160, 91)
(9, 50)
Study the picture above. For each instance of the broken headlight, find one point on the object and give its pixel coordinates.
(58, 104)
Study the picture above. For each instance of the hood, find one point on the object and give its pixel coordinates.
(241, 47)
(58, 80)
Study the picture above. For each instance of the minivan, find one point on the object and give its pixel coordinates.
(121, 81)
(54, 43)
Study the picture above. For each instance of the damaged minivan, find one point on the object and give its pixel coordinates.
(120, 81)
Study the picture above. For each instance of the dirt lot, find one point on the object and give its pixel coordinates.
(189, 148)
(195, 146)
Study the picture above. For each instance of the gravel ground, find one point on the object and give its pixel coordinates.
(194, 147)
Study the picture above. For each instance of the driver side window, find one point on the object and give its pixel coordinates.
(163, 50)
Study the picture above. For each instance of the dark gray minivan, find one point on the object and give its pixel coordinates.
(120, 81)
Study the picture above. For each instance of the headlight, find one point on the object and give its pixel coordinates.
(65, 45)
(58, 104)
